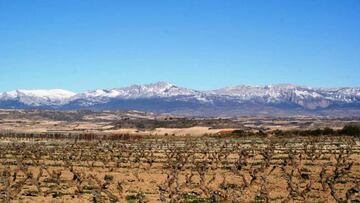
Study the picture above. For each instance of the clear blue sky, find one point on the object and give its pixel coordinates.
(203, 44)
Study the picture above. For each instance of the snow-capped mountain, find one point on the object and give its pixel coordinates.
(160, 89)
(166, 97)
(38, 97)
(307, 97)
(155, 90)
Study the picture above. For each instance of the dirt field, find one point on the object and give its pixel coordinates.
(176, 169)
(81, 156)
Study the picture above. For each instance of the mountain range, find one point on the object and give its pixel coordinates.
(164, 97)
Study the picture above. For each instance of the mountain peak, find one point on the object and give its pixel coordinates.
(162, 84)
(284, 86)
(162, 96)
(51, 93)
(159, 86)
(38, 97)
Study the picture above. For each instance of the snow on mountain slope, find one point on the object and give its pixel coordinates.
(268, 93)
(38, 97)
(280, 92)
(160, 89)
(305, 97)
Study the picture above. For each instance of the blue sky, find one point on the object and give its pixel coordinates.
(202, 44)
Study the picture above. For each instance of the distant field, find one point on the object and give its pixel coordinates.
(142, 123)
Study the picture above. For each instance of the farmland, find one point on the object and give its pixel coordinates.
(139, 157)
(205, 169)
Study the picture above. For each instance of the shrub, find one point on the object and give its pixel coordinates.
(351, 130)
(108, 178)
(328, 131)
(138, 198)
(238, 132)
(192, 197)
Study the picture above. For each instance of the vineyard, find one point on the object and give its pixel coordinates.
(205, 169)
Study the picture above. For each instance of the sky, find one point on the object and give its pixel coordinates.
(202, 44)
